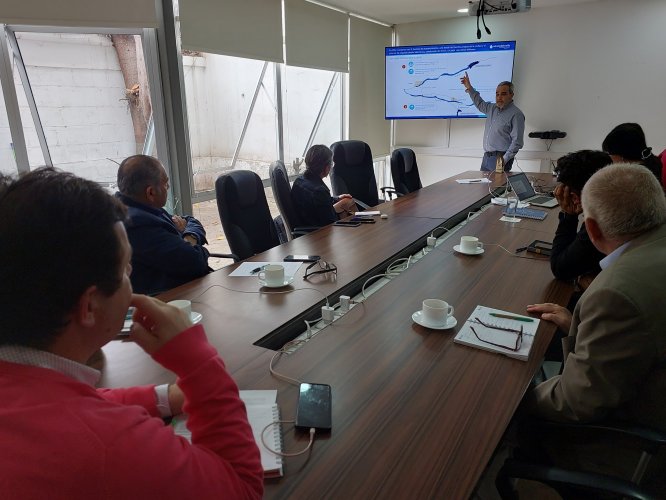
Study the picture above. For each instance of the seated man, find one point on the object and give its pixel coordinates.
(616, 360)
(61, 437)
(312, 199)
(573, 253)
(167, 250)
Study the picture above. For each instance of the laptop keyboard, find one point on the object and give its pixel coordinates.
(540, 199)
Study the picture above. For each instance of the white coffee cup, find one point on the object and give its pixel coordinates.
(436, 311)
(470, 244)
(272, 275)
(183, 305)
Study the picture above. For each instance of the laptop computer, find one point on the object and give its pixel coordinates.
(525, 192)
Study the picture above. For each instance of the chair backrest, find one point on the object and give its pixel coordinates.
(246, 219)
(353, 171)
(404, 171)
(282, 194)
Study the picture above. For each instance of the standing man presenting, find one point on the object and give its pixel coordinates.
(505, 125)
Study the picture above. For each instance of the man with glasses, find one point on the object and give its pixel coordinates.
(505, 125)
(167, 250)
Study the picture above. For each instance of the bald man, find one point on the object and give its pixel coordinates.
(167, 250)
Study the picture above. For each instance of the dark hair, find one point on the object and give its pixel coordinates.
(628, 141)
(575, 169)
(138, 172)
(317, 159)
(57, 238)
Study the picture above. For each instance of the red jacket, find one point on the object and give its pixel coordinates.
(64, 439)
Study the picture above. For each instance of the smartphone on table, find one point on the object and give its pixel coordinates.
(346, 223)
(301, 258)
(314, 407)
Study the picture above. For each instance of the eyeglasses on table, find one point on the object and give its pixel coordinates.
(320, 267)
(519, 336)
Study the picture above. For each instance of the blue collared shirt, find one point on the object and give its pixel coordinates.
(613, 256)
(505, 127)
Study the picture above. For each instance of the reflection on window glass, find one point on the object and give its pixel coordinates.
(93, 99)
(219, 92)
(305, 93)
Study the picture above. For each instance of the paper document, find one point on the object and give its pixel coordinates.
(253, 268)
(367, 213)
(501, 333)
(484, 180)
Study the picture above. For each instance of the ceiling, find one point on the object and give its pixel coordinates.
(409, 11)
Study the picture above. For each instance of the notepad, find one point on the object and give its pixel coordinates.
(493, 339)
(261, 411)
(526, 213)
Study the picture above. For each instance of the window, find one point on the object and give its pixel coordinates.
(92, 95)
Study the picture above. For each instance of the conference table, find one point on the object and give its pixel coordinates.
(415, 415)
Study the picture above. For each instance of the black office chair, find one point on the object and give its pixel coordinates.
(246, 219)
(405, 171)
(578, 483)
(353, 171)
(282, 194)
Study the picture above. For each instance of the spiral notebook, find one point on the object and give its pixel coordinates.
(497, 331)
(261, 411)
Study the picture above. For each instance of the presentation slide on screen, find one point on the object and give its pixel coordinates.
(423, 81)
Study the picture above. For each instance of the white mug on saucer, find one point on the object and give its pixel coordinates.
(183, 305)
(272, 275)
(436, 311)
(470, 244)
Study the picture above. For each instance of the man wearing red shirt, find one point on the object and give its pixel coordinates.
(64, 292)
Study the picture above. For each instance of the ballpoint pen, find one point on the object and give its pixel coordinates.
(257, 269)
(508, 316)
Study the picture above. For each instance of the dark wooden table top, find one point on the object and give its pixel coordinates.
(414, 415)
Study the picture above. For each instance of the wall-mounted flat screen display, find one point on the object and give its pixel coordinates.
(423, 81)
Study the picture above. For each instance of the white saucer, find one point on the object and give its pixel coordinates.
(479, 251)
(195, 318)
(287, 281)
(418, 318)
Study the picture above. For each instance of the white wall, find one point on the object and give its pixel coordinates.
(78, 87)
(581, 69)
(219, 91)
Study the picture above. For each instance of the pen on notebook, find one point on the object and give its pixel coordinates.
(475, 180)
(508, 316)
(257, 269)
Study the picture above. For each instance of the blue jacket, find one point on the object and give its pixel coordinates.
(161, 258)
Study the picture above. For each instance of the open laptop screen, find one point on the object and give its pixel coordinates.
(522, 187)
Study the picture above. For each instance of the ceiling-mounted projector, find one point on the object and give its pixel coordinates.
(499, 7)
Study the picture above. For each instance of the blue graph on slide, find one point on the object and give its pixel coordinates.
(437, 78)
(424, 81)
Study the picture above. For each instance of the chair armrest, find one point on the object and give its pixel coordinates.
(557, 478)
(226, 256)
(648, 436)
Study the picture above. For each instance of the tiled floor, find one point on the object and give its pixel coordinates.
(208, 215)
